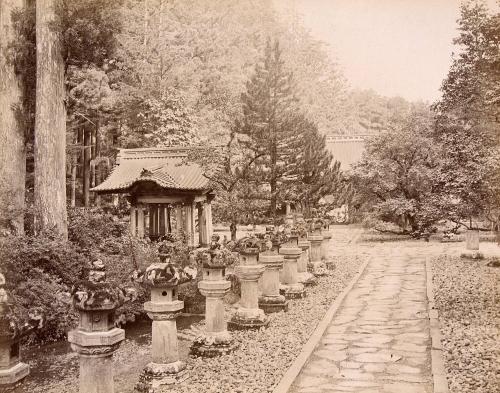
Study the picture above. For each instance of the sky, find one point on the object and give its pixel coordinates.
(395, 47)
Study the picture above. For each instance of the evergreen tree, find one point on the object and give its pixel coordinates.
(267, 124)
(312, 171)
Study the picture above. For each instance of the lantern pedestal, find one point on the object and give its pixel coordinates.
(96, 338)
(216, 340)
(303, 276)
(292, 288)
(166, 367)
(249, 315)
(319, 268)
(271, 301)
(12, 370)
(472, 245)
(95, 347)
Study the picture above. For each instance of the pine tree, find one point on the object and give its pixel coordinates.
(267, 123)
(312, 171)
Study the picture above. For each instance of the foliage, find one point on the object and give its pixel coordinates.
(467, 126)
(94, 229)
(312, 173)
(40, 272)
(395, 177)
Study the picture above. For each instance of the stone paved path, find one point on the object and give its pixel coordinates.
(378, 341)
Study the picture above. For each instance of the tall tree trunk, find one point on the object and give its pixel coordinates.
(86, 166)
(97, 167)
(273, 182)
(73, 185)
(50, 125)
(12, 153)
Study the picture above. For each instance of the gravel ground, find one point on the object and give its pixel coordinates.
(256, 366)
(264, 356)
(467, 295)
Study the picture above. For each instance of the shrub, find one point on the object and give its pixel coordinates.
(40, 272)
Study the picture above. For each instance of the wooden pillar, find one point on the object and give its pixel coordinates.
(188, 224)
(140, 222)
(193, 223)
(162, 211)
(168, 220)
(208, 219)
(133, 221)
(202, 224)
(178, 216)
(152, 215)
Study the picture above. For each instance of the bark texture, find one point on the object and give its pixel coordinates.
(50, 125)
(12, 147)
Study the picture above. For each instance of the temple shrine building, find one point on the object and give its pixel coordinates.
(167, 193)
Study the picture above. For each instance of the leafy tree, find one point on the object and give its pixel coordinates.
(395, 177)
(227, 167)
(468, 124)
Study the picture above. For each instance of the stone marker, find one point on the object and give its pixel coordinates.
(12, 370)
(289, 275)
(166, 368)
(472, 245)
(215, 340)
(96, 338)
(249, 315)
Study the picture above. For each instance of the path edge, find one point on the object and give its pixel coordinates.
(296, 367)
(438, 370)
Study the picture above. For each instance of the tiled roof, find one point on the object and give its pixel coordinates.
(163, 166)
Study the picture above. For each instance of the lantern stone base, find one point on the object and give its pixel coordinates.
(293, 291)
(319, 269)
(14, 374)
(211, 345)
(155, 376)
(472, 254)
(270, 304)
(306, 278)
(248, 318)
(330, 265)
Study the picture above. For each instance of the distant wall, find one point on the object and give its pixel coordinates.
(346, 149)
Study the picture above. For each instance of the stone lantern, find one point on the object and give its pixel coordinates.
(249, 315)
(270, 299)
(289, 277)
(315, 237)
(96, 338)
(215, 340)
(12, 370)
(166, 368)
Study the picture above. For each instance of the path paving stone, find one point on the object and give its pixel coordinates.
(378, 341)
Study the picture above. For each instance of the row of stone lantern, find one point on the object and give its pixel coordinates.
(96, 338)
